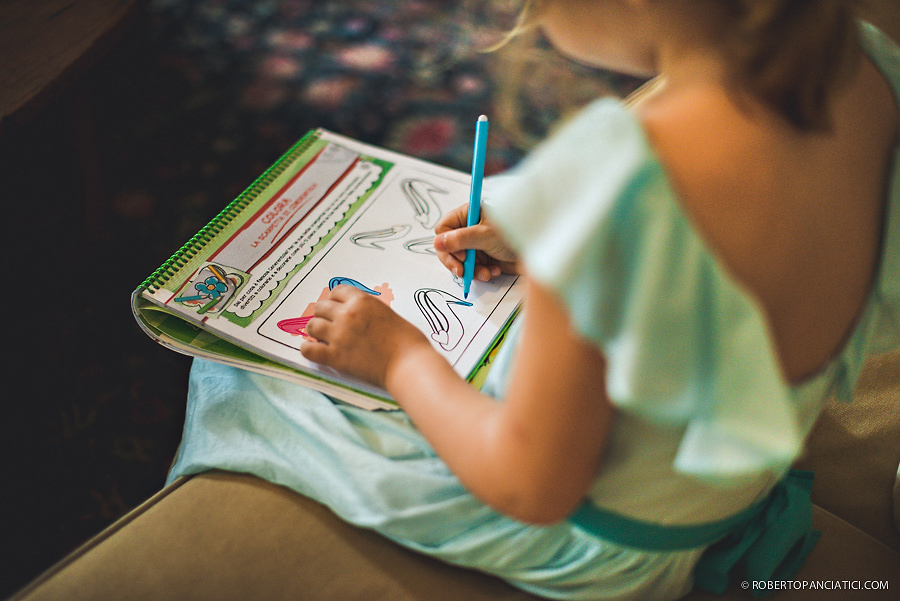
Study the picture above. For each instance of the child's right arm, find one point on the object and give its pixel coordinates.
(532, 456)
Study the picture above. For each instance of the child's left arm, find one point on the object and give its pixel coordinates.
(531, 456)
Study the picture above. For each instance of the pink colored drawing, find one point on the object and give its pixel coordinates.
(295, 326)
(386, 295)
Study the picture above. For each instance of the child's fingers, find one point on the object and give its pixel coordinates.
(484, 269)
(453, 264)
(344, 293)
(315, 351)
(486, 273)
(459, 240)
(320, 329)
(326, 309)
(452, 220)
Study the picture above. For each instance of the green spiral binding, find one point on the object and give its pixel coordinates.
(207, 233)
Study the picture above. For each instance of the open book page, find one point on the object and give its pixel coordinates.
(341, 213)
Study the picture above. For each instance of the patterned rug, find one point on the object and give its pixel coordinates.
(193, 102)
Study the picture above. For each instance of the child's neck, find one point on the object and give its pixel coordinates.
(690, 67)
(685, 53)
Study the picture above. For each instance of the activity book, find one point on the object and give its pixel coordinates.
(331, 211)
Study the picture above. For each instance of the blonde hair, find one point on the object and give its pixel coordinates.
(788, 54)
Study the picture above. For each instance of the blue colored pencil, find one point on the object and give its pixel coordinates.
(481, 134)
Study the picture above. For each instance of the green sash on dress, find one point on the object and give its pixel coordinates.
(769, 540)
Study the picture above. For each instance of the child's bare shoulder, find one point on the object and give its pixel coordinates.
(725, 165)
(795, 216)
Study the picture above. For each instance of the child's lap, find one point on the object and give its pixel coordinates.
(375, 470)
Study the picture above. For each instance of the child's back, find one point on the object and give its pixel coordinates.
(796, 217)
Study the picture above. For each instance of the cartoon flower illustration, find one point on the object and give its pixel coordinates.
(212, 287)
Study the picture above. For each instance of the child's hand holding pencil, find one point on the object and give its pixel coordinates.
(453, 238)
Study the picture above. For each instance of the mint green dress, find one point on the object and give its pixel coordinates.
(706, 424)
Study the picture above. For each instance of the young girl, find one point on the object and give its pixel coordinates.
(705, 266)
